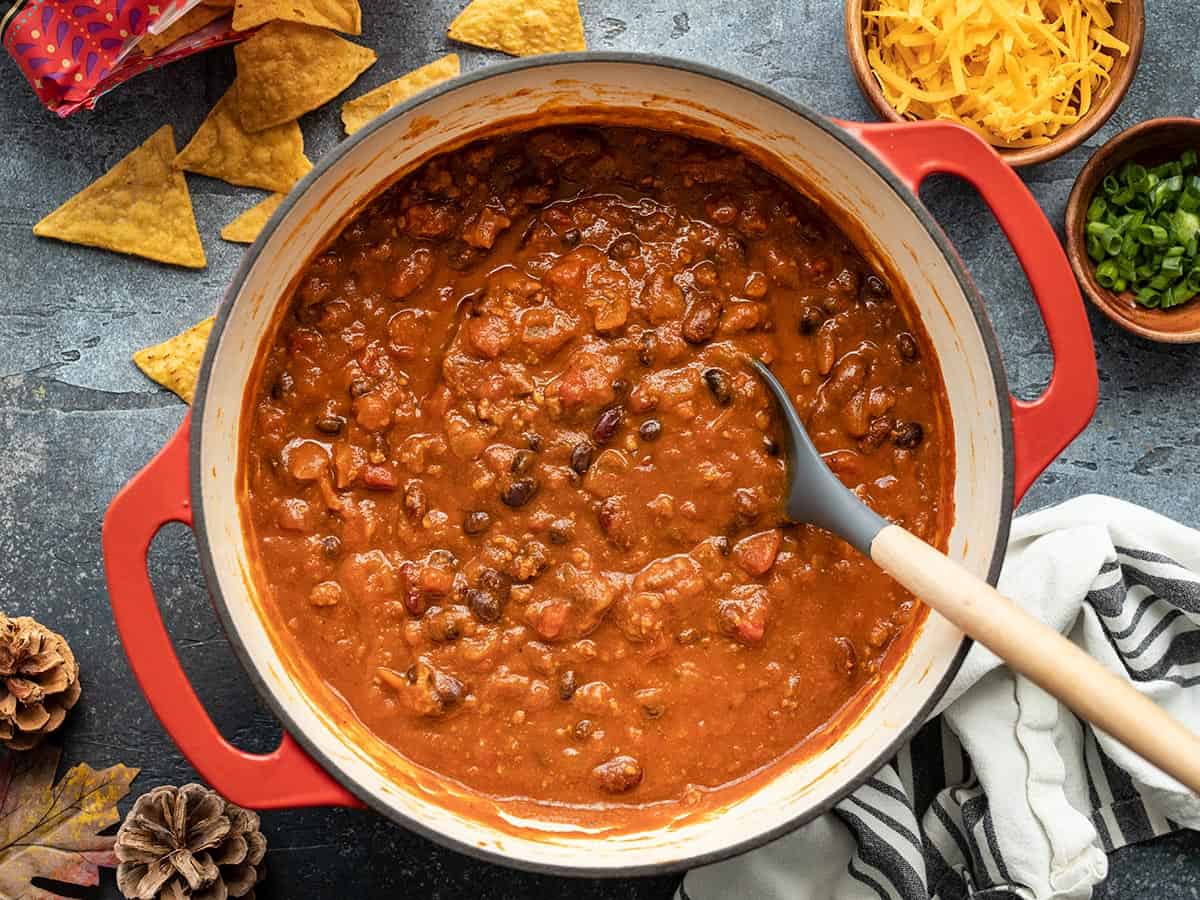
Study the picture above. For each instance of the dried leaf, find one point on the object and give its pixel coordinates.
(50, 830)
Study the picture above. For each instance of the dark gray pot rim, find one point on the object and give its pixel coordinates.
(331, 159)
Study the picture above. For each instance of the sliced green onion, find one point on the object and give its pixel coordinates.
(1152, 235)
(1107, 274)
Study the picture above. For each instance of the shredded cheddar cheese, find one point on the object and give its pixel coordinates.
(1015, 71)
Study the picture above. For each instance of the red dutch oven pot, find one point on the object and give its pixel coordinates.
(869, 176)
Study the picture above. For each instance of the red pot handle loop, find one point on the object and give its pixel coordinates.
(1041, 427)
(157, 495)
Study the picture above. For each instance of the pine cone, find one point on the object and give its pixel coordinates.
(189, 842)
(39, 681)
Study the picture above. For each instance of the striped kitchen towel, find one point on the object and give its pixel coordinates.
(1006, 794)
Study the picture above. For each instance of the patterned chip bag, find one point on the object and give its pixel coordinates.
(73, 51)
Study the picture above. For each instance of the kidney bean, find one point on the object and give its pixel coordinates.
(874, 287)
(877, 433)
(483, 605)
(908, 435)
(477, 522)
(522, 462)
(650, 430)
(855, 415)
(606, 426)
(581, 457)
(533, 440)
(701, 320)
(415, 503)
(625, 247)
(332, 545)
(519, 492)
(647, 344)
(561, 531)
(826, 348)
(567, 684)
(619, 774)
(330, 424)
(495, 581)
(810, 319)
(907, 345)
(719, 385)
(572, 236)
(282, 386)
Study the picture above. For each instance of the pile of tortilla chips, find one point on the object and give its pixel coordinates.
(293, 63)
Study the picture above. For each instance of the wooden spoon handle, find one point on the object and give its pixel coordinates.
(1040, 653)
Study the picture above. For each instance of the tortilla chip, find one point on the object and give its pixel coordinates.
(521, 27)
(192, 20)
(245, 228)
(175, 363)
(272, 159)
(340, 15)
(358, 112)
(141, 206)
(286, 69)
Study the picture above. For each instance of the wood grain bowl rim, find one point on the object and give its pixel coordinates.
(1123, 71)
(1117, 150)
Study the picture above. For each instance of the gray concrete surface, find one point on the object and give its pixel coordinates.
(77, 419)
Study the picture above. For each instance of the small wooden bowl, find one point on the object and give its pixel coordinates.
(1129, 24)
(1152, 142)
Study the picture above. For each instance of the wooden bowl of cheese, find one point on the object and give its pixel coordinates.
(1032, 86)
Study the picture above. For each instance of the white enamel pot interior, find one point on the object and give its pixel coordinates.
(835, 169)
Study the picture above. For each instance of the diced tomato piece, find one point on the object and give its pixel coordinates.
(380, 478)
(756, 554)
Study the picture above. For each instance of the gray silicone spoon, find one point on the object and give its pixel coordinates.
(1061, 668)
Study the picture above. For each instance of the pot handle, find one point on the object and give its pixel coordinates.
(1041, 427)
(156, 496)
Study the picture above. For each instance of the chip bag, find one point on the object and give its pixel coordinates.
(73, 51)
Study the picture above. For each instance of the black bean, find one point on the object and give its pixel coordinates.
(533, 440)
(483, 605)
(874, 286)
(477, 522)
(620, 386)
(332, 545)
(719, 385)
(650, 430)
(283, 386)
(572, 237)
(561, 531)
(625, 247)
(607, 424)
(330, 424)
(567, 684)
(810, 319)
(770, 445)
(581, 457)
(908, 435)
(360, 386)
(907, 345)
(522, 462)
(647, 344)
(519, 492)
